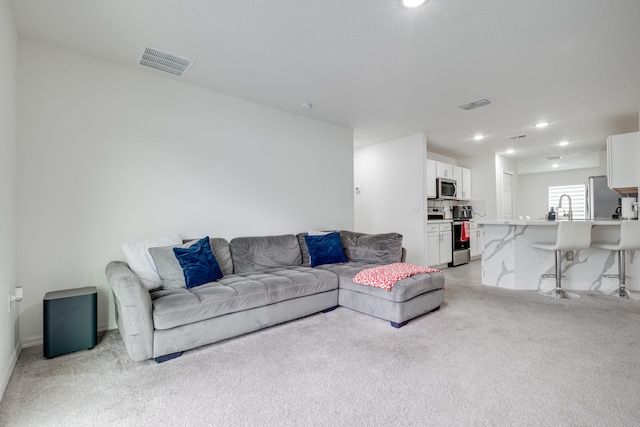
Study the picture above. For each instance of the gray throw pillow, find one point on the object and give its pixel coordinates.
(382, 248)
(264, 252)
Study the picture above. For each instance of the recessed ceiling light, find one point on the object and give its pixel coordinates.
(478, 137)
(541, 125)
(555, 165)
(510, 151)
(306, 106)
(563, 143)
(411, 3)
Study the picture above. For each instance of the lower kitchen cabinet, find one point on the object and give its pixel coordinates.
(439, 244)
(475, 240)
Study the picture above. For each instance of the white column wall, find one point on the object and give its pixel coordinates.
(9, 322)
(391, 177)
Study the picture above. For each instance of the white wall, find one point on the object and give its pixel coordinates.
(391, 177)
(441, 158)
(110, 154)
(534, 188)
(602, 163)
(9, 322)
(483, 181)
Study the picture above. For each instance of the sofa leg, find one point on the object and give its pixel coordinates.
(399, 325)
(166, 357)
(329, 309)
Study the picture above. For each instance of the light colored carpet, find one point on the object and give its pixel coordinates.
(488, 357)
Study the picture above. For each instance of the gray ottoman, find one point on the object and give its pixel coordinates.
(408, 298)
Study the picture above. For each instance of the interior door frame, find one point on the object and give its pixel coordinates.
(512, 174)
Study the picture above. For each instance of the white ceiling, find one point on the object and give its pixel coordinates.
(386, 71)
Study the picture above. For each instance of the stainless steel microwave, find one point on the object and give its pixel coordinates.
(446, 188)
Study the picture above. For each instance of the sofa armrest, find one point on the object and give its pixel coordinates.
(133, 310)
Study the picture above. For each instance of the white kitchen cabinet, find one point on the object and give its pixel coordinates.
(431, 179)
(439, 245)
(463, 179)
(433, 245)
(457, 175)
(446, 245)
(623, 155)
(466, 184)
(444, 170)
(475, 240)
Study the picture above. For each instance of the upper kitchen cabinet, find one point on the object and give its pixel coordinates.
(463, 179)
(462, 176)
(431, 179)
(444, 170)
(623, 155)
(466, 184)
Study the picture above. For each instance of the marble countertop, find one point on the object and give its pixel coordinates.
(541, 222)
(439, 221)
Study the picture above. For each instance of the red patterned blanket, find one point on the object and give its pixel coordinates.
(385, 276)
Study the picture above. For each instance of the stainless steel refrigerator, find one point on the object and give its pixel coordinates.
(602, 201)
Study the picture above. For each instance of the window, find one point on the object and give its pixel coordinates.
(578, 203)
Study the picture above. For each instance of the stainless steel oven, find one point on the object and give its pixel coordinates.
(460, 235)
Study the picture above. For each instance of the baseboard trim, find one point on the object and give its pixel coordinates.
(32, 341)
(39, 339)
(6, 374)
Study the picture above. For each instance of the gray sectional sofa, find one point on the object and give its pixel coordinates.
(266, 280)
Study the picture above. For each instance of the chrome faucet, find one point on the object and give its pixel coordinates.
(570, 214)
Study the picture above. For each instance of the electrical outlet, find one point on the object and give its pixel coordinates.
(569, 255)
(415, 207)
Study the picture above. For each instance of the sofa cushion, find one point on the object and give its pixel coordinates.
(264, 252)
(402, 291)
(325, 249)
(198, 263)
(140, 261)
(237, 292)
(386, 248)
(170, 270)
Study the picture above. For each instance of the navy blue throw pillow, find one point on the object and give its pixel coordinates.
(198, 263)
(325, 249)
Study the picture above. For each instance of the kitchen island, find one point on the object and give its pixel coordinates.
(509, 261)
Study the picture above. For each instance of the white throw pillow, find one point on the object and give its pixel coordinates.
(140, 261)
(318, 233)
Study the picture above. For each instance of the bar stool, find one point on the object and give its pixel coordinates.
(571, 235)
(629, 241)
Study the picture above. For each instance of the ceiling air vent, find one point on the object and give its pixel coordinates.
(475, 104)
(165, 61)
(518, 137)
(554, 157)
